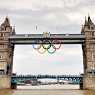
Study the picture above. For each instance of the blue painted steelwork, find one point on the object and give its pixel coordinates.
(75, 79)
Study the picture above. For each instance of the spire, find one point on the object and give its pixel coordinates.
(86, 22)
(90, 21)
(7, 22)
(13, 32)
(89, 25)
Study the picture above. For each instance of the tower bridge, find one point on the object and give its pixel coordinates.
(74, 79)
(8, 39)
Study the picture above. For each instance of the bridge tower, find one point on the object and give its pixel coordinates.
(89, 54)
(6, 54)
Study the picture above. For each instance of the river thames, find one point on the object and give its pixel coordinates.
(46, 92)
(26, 90)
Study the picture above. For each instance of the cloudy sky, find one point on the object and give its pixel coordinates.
(54, 16)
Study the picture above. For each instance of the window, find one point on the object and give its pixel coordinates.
(1, 56)
(1, 34)
(1, 72)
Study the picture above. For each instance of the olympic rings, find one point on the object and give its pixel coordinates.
(51, 50)
(58, 45)
(47, 45)
(41, 50)
(37, 46)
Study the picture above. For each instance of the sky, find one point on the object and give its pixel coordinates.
(54, 16)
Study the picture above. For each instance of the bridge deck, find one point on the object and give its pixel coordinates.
(47, 76)
(38, 38)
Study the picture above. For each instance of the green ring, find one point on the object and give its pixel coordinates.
(53, 50)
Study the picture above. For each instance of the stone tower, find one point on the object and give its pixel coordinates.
(6, 54)
(89, 54)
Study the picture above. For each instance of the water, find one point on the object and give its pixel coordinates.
(46, 91)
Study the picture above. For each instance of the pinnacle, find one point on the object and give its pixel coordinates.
(7, 22)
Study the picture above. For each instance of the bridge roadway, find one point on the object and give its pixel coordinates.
(73, 78)
(47, 76)
(42, 39)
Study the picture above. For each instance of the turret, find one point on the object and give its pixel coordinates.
(88, 25)
(5, 26)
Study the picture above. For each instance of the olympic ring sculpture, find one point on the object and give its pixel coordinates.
(47, 45)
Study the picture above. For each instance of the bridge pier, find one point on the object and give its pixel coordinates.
(81, 86)
(13, 84)
(5, 82)
(89, 82)
(81, 83)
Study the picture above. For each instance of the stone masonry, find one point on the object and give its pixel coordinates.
(7, 49)
(89, 54)
(6, 54)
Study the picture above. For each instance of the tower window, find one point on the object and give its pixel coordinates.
(1, 34)
(1, 57)
(92, 28)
